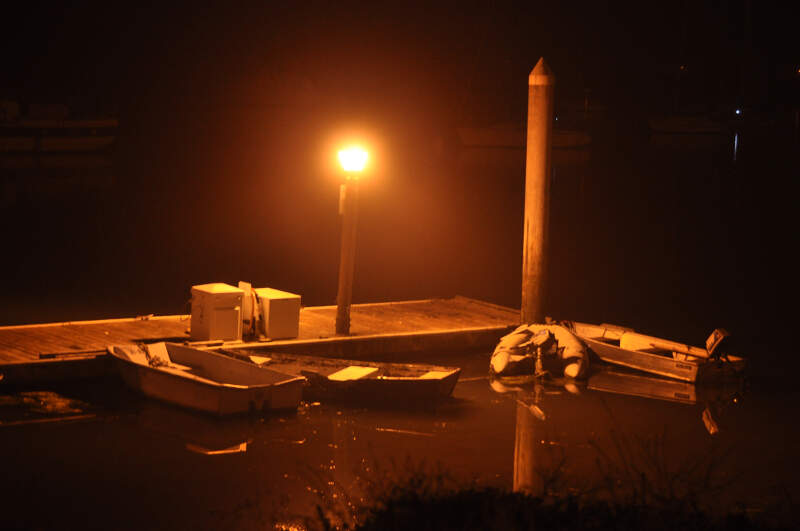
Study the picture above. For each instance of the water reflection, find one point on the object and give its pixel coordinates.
(32, 407)
(197, 433)
(526, 435)
(537, 467)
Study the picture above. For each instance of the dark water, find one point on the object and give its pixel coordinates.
(125, 462)
(672, 235)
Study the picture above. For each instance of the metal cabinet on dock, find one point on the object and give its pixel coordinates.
(280, 313)
(216, 312)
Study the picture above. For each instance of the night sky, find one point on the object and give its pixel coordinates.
(454, 57)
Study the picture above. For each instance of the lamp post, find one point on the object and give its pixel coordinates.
(353, 160)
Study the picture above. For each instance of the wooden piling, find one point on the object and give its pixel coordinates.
(541, 83)
(349, 211)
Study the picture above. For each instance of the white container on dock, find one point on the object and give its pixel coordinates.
(216, 312)
(280, 313)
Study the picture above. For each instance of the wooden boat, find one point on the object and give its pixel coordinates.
(623, 346)
(333, 378)
(205, 381)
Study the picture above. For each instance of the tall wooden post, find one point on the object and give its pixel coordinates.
(348, 208)
(541, 84)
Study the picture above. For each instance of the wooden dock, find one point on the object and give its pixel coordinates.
(41, 352)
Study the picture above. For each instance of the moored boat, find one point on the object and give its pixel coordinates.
(623, 346)
(51, 136)
(528, 348)
(49, 128)
(333, 378)
(205, 381)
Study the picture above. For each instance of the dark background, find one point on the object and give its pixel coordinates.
(229, 119)
(454, 57)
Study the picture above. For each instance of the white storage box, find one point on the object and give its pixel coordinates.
(216, 312)
(280, 313)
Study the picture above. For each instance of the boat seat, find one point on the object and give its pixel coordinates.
(638, 342)
(353, 372)
(434, 375)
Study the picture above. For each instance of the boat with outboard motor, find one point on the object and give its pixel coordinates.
(624, 346)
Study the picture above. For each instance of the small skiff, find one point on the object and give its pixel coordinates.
(205, 381)
(625, 347)
(333, 378)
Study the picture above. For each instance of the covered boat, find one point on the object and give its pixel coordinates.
(533, 348)
(205, 381)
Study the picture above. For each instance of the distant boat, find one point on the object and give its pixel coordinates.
(205, 381)
(47, 128)
(371, 381)
(54, 136)
(623, 346)
(513, 136)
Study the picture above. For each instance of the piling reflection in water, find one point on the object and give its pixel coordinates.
(537, 467)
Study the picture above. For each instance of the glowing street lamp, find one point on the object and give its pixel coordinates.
(353, 161)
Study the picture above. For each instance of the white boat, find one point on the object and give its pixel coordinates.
(204, 380)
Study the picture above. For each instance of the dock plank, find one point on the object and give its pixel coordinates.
(40, 351)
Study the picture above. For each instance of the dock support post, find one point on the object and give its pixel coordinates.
(348, 208)
(541, 84)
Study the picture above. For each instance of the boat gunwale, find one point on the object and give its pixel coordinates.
(658, 358)
(200, 380)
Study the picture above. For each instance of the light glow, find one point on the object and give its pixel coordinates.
(353, 159)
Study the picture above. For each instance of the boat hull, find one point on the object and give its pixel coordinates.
(643, 361)
(173, 386)
(686, 363)
(365, 381)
